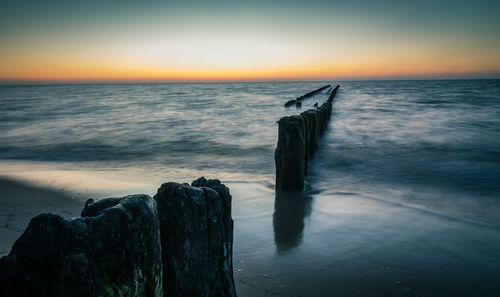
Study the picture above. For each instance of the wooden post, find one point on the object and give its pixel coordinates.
(290, 154)
(312, 115)
(114, 250)
(196, 233)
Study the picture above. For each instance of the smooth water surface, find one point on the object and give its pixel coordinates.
(402, 198)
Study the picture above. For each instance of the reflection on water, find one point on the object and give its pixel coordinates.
(347, 244)
(405, 183)
(290, 210)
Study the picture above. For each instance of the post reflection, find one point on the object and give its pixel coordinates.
(290, 210)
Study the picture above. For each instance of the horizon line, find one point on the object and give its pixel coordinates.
(153, 81)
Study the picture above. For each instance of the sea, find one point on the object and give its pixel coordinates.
(401, 199)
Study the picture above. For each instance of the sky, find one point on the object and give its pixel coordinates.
(175, 41)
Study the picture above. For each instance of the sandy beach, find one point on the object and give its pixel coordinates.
(20, 202)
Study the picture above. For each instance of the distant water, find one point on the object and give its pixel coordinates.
(402, 199)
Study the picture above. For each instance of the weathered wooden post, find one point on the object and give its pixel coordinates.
(114, 250)
(290, 154)
(197, 239)
(307, 138)
(312, 116)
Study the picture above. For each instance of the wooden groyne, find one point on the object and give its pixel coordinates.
(298, 137)
(333, 93)
(305, 96)
(177, 243)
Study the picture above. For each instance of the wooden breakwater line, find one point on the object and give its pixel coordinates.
(333, 93)
(298, 137)
(177, 243)
(298, 100)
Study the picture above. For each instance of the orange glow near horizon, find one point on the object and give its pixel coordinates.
(233, 63)
(45, 72)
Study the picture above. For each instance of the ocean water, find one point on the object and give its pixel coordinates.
(402, 198)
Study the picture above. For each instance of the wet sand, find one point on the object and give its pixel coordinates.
(20, 202)
(344, 244)
(322, 244)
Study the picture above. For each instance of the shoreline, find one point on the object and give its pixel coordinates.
(20, 201)
(333, 243)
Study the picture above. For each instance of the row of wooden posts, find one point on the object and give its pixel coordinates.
(298, 100)
(298, 137)
(175, 244)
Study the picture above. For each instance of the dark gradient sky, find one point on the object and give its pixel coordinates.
(257, 40)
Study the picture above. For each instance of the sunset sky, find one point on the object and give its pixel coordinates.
(83, 41)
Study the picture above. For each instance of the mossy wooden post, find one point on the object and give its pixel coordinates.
(290, 154)
(113, 250)
(312, 115)
(324, 116)
(196, 231)
(307, 138)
